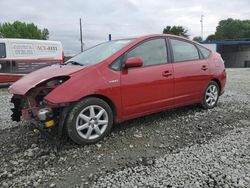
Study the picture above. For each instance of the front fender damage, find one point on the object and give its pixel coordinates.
(33, 108)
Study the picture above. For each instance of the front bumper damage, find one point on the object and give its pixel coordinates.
(40, 114)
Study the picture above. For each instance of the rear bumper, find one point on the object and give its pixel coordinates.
(223, 79)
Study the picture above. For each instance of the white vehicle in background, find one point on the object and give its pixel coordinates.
(21, 56)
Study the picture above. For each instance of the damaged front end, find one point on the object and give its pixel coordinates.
(32, 106)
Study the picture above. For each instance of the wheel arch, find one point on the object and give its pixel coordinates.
(107, 100)
(218, 82)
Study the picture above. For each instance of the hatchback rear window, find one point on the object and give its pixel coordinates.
(2, 50)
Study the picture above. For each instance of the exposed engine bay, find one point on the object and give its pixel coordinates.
(34, 108)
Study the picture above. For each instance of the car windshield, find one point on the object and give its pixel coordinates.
(98, 53)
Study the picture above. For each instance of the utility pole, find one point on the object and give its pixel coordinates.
(81, 35)
(202, 26)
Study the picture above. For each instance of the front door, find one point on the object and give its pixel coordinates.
(148, 88)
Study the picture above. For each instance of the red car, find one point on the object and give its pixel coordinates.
(116, 81)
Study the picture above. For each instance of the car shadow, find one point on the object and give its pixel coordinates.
(64, 143)
(164, 115)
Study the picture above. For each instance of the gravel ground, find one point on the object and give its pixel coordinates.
(222, 162)
(5, 112)
(185, 147)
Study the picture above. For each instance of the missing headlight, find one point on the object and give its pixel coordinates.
(56, 81)
(46, 87)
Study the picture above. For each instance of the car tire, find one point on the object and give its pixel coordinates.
(210, 95)
(89, 121)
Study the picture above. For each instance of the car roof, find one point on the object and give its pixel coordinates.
(143, 37)
(170, 35)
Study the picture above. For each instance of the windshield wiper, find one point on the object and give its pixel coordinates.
(72, 62)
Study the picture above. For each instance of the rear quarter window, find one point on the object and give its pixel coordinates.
(205, 52)
(2, 50)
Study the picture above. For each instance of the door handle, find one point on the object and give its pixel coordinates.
(204, 67)
(166, 73)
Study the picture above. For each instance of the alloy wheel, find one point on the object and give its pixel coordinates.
(211, 95)
(92, 122)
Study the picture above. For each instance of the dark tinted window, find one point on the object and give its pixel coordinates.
(5, 66)
(205, 52)
(153, 52)
(184, 51)
(2, 50)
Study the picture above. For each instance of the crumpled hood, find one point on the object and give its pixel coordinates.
(22, 86)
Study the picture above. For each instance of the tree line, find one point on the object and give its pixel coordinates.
(228, 29)
(24, 30)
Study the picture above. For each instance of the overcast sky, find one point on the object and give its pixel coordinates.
(121, 18)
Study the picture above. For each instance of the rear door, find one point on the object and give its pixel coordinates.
(149, 88)
(191, 71)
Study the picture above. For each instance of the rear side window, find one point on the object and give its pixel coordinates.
(153, 52)
(184, 51)
(2, 50)
(205, 52)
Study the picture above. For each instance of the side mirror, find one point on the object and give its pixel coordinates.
(133, 62)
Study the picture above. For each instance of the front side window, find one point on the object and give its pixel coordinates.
(2, 50)
(153, 52)
(184, 51)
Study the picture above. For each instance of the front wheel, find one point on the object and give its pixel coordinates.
(89, 121)
(211, 95)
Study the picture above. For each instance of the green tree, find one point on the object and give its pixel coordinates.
(197, 38)
(19, 29)
(231, 29)
(45, 34)
(211, 37)
(176, 30)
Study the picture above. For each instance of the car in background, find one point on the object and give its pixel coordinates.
(116, 81)
(21, 56)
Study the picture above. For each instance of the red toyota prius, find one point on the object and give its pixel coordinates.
(116, 81)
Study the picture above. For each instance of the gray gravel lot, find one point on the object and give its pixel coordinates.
(185, 147)
(5, 112)
(222, 162)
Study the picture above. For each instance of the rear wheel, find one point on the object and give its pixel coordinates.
(89, 121)
(211, 95)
